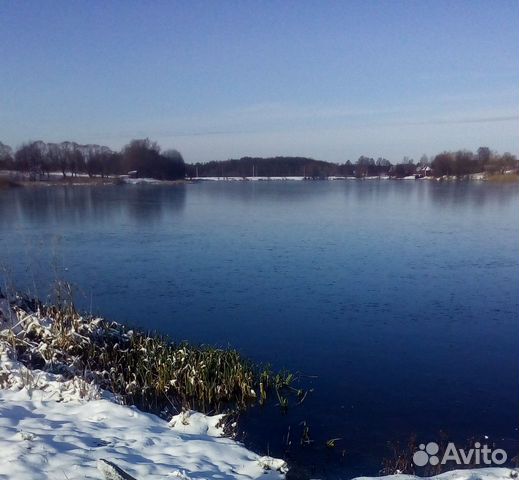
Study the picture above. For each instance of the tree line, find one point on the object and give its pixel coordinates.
(465, 162)
(459, 163)
(288, 167)
(142, 157)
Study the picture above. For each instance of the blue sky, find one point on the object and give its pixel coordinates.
(222, 79)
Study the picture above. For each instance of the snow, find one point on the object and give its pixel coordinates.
(196, 423)
(52, 428)
(141, 181)
(478, 176)
(465, 474)
(245, 179)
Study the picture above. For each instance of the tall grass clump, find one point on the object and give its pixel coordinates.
(140, 368)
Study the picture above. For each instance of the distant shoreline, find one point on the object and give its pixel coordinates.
(473, 177)
(15, 179)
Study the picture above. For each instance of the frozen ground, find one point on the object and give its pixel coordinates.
(474, 474)
(56, 429)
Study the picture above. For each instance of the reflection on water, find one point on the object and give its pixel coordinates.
(73, 205)
(149, 203)
(398, 298)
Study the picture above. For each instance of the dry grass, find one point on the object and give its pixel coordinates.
(143, 369)
(504, 178)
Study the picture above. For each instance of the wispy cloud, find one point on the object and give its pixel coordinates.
(447, 121)
(359, 124)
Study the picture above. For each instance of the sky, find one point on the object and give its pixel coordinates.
(225, 79)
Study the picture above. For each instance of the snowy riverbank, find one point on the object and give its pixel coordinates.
(51, 428)
(55, 427)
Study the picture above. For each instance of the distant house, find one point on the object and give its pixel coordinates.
(423, 171)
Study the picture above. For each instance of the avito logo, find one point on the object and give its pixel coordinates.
(479, 455)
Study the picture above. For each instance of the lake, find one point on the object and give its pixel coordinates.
(396, 301)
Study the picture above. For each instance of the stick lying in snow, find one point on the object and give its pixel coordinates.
(111, 471)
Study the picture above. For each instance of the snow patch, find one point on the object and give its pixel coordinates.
(196, 423)
(468, 474)
(55, 428)
(14, 376)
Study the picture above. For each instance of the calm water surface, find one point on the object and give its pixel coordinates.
(398, 301)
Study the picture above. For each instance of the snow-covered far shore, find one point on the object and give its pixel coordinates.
(52, 428)
(278, 179)
(465, 474)
(82, 179)
(475, 176)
